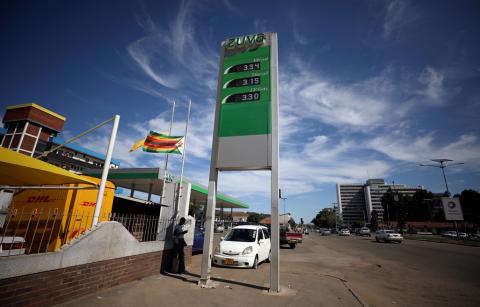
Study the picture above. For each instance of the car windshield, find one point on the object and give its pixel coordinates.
(389, 231)
(241, 235)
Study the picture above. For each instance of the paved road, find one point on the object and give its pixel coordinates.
(414, 273)
(320, 272)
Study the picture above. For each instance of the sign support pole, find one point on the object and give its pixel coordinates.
(211, 198)
(275, 231)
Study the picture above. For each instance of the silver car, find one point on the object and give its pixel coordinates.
(364, 232)
(387, 235)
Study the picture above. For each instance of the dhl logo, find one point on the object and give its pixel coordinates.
(88, 204)
(39, 199)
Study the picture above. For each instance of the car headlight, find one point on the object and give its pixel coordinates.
(217, 249)
(247, 250)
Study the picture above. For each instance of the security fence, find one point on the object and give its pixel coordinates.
(39, 231)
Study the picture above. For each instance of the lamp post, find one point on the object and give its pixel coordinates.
(284, 205)
(443, 164)
(335, 211)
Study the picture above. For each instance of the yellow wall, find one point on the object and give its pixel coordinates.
(50, 218)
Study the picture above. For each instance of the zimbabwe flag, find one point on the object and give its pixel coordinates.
(161, 143)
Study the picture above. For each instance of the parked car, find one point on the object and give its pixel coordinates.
(344, 232)
(326, 232)
(364, 232)
(454, 235)
(244, 246)
(198, 239)
(306, 231)
(11, 246)
(387, 235)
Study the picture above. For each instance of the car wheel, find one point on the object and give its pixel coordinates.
(292, 245)
(269, 259)
(376, 239)
(255, 263)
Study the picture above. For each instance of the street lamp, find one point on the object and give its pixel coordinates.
(443, 164)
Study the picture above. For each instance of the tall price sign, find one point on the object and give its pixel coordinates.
(245, 135)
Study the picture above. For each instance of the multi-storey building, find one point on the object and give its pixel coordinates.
(32, 130)
(351, 203)
(357, 201)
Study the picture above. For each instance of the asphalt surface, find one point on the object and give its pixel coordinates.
(322, 271)
(414, 273)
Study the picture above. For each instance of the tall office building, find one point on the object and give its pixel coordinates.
(357, 201)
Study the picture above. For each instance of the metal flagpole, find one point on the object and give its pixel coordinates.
(165, 165)
(106, 167)
(183, 156)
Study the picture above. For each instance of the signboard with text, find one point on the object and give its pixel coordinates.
(244, 103)
(452, 209)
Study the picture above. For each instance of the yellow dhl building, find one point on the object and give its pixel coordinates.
(50, 218)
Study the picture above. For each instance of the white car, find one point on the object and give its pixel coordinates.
(387, 235)
(344, 232)
(11, 246)
(453, 235)
(244, 246)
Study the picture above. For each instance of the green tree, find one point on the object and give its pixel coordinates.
(255, 218)
(470, 202)
(402, 212)
(325, 218)
(374, 220)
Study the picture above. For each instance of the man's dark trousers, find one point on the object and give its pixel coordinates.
(181, 255)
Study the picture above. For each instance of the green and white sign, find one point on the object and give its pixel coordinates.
(247, 84)
(245, 135)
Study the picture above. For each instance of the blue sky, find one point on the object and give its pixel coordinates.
(368, 89)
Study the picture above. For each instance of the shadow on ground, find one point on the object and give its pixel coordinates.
(185, 278)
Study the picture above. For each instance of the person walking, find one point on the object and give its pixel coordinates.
(180, 230)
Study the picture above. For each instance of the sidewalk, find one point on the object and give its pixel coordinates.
(302, 285)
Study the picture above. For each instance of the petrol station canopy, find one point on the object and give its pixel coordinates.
(150, 181)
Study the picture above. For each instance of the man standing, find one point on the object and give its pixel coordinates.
(180, 230)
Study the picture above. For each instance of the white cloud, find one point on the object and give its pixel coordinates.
(396, 17)
(174, 57)
(143, 58)
(465, 148)
(297, 36)
(361, 105)
(433, 81)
